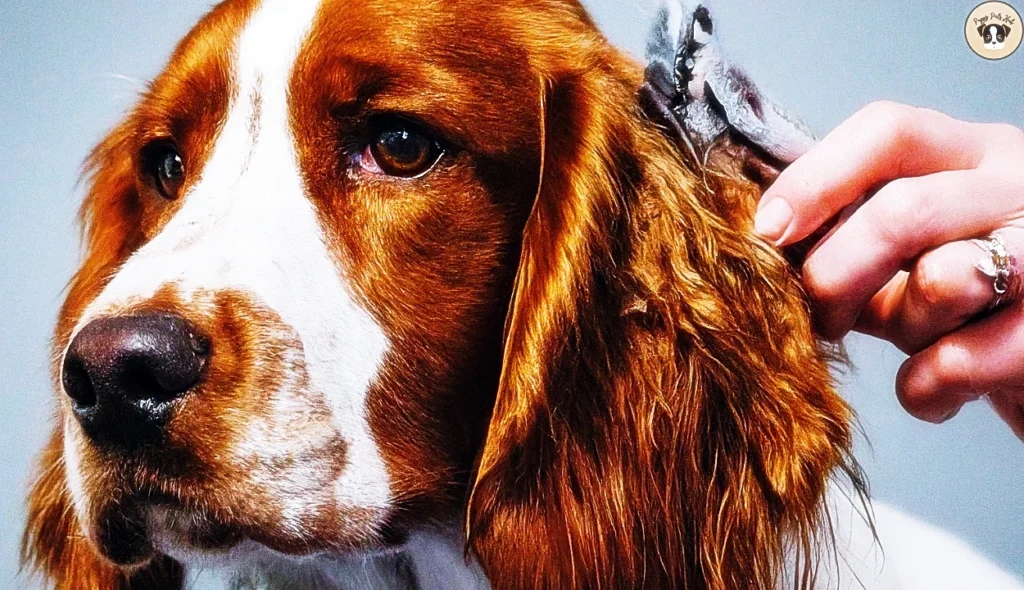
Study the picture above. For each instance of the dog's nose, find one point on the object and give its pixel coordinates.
(124, 373)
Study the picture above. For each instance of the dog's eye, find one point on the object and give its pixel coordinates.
(401, 150)
(164, 167)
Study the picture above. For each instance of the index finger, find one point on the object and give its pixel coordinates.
(881, 142)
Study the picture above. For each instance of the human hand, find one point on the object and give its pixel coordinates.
(901, 265)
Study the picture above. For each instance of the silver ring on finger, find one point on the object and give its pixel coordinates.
(998, 266)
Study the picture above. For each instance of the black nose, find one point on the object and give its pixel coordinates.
(124, 373)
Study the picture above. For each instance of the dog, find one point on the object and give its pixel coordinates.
(412, 295)
(994, 35)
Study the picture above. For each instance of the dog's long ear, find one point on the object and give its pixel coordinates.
(1006, 30)
(53, 544)
(665, 417)
(981, 30)
(55, 547)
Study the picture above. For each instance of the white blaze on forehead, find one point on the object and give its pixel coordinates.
(248, 224)
(994, 43)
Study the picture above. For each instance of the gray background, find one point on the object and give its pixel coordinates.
(68, 70)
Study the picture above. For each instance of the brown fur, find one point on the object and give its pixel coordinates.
(55, 546)
(664, 416)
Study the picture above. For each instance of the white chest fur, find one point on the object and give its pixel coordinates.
(430, 560)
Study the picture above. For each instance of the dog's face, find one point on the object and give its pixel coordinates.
(994, 35)
(291, 333)
(354, 268)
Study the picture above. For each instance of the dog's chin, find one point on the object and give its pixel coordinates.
(994, 46)
(204, 545)
(131, 534)
(178, 530)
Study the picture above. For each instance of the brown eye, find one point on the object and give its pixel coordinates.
(164, 168)
(402, 150)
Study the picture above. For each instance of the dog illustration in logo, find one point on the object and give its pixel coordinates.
(995, 35)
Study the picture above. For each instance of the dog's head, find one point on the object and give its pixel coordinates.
(994, 35)
(346, 259)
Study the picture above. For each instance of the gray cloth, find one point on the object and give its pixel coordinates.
(697, 96)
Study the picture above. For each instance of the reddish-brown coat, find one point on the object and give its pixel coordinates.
(584, 331)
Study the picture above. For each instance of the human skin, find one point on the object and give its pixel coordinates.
(900, 265)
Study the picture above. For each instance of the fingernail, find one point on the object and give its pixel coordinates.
(774, 219)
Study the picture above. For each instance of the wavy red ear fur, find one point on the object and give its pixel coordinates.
(54, 544)
(665, 417)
